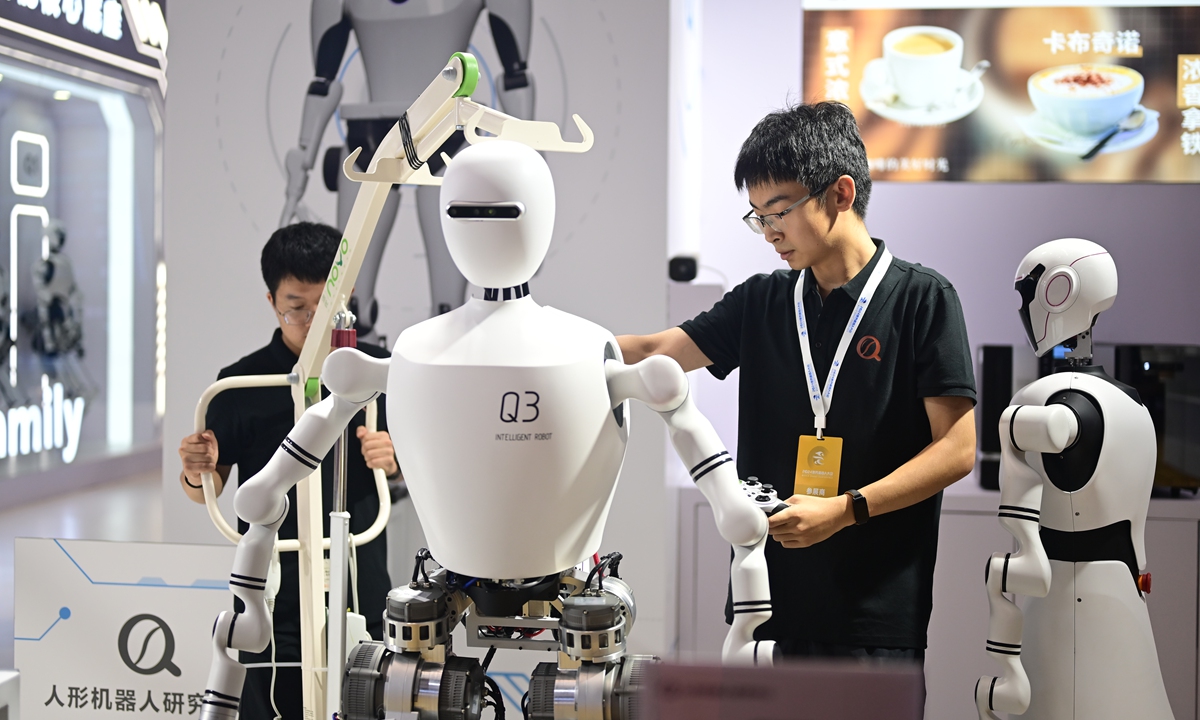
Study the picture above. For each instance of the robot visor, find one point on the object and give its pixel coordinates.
(1027, 286)
(480, 211)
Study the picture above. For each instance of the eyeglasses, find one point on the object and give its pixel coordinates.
(775, 220)
(296, 317)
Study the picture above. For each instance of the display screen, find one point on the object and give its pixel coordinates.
(971, 91)
(77, 270)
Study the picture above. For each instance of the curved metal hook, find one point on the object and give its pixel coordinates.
(538, 135)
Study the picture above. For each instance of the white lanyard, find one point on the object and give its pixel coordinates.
(821, 401)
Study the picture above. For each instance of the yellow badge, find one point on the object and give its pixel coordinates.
(818, 466)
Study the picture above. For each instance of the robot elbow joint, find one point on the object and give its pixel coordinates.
(665, 382)
(257, 505)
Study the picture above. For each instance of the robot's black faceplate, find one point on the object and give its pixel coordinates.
(1073, 468)
(1027, 286)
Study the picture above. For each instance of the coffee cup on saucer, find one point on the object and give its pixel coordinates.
(924, 64)
(1086, 99)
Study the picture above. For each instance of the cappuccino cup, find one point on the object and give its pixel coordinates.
(1086, 99)
(923, 62)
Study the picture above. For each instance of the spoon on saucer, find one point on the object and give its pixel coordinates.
(1132, 121)
(973, 76)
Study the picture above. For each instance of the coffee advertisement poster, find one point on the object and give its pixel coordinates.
(1096, 93)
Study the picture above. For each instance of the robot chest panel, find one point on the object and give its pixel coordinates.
(527, 457)
(518, 420)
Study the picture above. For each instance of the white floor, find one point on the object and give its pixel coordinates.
(125, 510)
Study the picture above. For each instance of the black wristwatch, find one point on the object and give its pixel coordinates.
(861, 512)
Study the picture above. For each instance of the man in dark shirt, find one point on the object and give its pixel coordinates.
(850, 576)
(246, 427)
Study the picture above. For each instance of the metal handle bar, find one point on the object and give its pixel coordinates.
(206, 479)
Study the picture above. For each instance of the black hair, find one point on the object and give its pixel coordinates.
(304, 251)
(813, 145)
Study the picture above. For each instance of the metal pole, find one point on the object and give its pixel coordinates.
(339, 548)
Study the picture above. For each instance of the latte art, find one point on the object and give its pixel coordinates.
(1084, 81)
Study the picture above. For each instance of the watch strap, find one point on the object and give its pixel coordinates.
(861, 512)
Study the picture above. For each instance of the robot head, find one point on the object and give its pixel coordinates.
(56, 235)
(1064, 285)
(497, 207)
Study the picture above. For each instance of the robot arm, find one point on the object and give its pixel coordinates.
(330, 35)
(660, 383)
(353, 379)
(1023, 429)
(511, 22)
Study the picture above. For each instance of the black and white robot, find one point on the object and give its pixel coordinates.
(59, 301)
(1076, 469)
(510, 420)
(402, 43)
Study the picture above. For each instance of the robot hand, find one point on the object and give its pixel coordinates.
(298, 167)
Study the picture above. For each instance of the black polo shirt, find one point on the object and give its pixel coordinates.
(868, 585)
(249, 425)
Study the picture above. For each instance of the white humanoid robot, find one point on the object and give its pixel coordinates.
(57, 323)
(1076, 468)
(402, 43)
(510, 420)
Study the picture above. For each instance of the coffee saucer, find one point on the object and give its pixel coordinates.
(879, 97)
(1054, 137)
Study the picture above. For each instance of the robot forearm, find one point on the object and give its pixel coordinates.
(660, 383)
(319, 105)
(250, 630)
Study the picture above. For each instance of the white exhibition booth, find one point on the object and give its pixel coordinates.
(671, 89)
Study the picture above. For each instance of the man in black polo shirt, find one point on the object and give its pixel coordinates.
(851, 565)
(245, 428)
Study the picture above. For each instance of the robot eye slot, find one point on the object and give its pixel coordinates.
(506, 211)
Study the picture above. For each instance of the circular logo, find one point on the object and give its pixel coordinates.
(816, 457)
(168, 646)
(868, 348)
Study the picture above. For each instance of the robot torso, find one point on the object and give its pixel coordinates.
(405, 44)
(1106, 476)
(503, 425)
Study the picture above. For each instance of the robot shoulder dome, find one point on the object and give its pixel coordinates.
(520, 334)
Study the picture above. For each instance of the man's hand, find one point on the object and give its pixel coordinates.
(199, 453)
(377, 450)
(810, 520)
